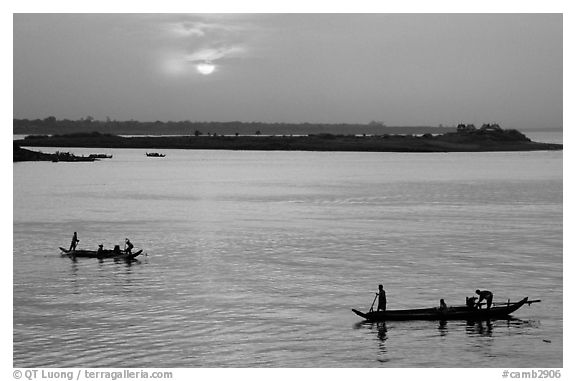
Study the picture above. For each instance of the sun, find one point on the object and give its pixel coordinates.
(205, 68)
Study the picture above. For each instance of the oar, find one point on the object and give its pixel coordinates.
(508, 302)
(374, 301)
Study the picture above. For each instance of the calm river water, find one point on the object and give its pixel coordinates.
(254, 259)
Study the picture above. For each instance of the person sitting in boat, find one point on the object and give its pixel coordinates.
(129, 246)
(100, 251)
(443, 307)
(484, 295)
(74, 242)
(381, 298)
(116, 250)
(471, 302)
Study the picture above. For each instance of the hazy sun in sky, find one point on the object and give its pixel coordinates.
(205, 68)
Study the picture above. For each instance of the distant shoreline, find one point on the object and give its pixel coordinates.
(50, 126)
(475, 141)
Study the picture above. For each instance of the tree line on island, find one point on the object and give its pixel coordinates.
(51, 125)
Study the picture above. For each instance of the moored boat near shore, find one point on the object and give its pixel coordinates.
(498, 311)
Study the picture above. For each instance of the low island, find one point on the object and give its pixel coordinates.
(464, 139)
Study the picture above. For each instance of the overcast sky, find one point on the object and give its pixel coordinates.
(402, 69)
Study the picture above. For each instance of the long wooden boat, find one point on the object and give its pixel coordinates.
(100, 156)
(103, 255)
(452, 313)
(68, 157)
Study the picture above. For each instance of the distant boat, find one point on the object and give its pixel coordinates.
(100, 156)
(498, 311)
(69, 157)
(155, 154)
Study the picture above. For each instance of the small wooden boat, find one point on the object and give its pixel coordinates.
(102, 255)
(100, 156)
(155, 154)
(69, 157)
(497, 311)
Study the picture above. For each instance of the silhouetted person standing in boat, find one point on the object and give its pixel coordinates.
(443, 306)
(129, 246)
(74, 242)
(381, 298)
(484, 295)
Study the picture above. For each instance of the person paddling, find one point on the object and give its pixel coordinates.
(484, 295)
(74, 242)
(381, 298)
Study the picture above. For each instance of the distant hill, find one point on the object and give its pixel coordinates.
(51, 125)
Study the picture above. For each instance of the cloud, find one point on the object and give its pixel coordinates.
(207, 25)
(183, 29)
(198, 28)
(212, 54)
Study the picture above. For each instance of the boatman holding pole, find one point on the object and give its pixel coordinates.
(74, 242)
(381, 298)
